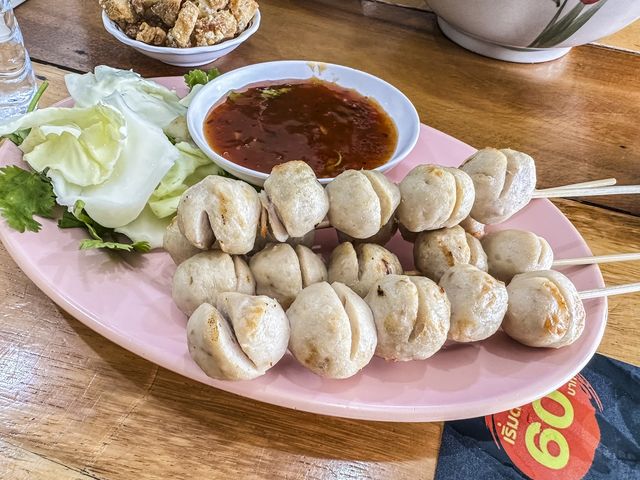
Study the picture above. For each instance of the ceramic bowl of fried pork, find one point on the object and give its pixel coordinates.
(183, 33)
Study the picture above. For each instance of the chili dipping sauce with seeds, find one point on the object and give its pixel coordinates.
(330, 127)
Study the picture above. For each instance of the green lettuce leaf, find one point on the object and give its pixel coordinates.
(146, 98)
(146, 228)
(146, 156)
(191, 167)
(80, 144)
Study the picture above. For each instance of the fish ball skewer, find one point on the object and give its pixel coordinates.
(545, 310)
(434, 252)
(505, 182)
(282, 271)
(361, 202)
(511, 252)
(239, 339)
(478, 303)
(491, 185)
(202, 277)
(361, 266)
(222, 210)
(294, 199)
(332, 330)
(412, 317)
(434, 197)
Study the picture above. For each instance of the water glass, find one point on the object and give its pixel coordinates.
(17, 81)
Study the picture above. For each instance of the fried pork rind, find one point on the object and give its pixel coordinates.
(167, 11)
(210, 7)
(215, 28)
(180, 23)
(141, 6)
(119, 10)
(130, 29)
(243, 10)
(180, 34)
(151, 35)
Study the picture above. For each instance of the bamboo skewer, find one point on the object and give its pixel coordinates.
(607, 291)
(323, 224)
(605, 182)
(605, 186)
(561, 192)
(616, 257)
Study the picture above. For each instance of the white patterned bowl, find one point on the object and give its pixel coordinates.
(530, 31)
(183, 57)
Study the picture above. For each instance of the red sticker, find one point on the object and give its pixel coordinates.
(554, 437)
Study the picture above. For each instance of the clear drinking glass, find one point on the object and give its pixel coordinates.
(17, 81)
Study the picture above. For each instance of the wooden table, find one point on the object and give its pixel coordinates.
(75, 406)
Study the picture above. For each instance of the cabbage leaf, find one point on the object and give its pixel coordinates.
(191, 167)
(148, 99)
(80, 144)
(146, 157)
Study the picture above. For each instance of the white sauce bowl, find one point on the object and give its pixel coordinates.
(393, 101)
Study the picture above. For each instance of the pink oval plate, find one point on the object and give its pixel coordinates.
(128, 300)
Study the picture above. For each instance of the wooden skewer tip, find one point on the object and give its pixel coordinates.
(616, 257)
(608, 291)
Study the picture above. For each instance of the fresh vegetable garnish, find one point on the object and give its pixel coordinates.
(101, 237)
(191, 167)
(19, 136)
(200, 77)
(118, 160)
(24, 194)
(141, 247)
(33, 104)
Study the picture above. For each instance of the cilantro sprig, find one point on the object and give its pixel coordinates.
(24, 194)
(200, 77)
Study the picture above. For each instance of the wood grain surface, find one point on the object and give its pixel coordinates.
(627, 39)
(75, 406)
(577, 116)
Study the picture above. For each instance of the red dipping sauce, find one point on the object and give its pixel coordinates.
(330, 127)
